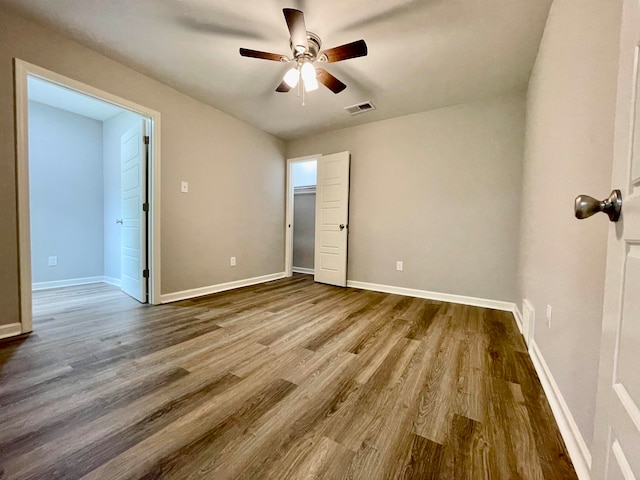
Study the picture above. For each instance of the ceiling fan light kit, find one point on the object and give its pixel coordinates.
(308, 74)
(305, 48)
(291, 77)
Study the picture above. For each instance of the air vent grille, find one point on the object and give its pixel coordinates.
(360, 108)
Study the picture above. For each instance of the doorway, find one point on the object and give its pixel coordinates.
(46, 98)
(75, 187)
(304, 216)
(300, 215)
(330, 236)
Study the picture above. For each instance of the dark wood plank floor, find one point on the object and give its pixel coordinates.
(285, 380)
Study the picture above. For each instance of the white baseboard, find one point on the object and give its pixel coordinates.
(67, 283)
(443, 297)
(221, 287)
(578, 450)
(518, 316)
(112, 281)
(528, 321)
(10, 330)
(308, 271)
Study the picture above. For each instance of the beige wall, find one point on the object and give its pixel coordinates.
(236, 172)
(439, 190)
(569, 143)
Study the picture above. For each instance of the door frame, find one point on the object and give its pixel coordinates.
(21, 71)
(288, 226)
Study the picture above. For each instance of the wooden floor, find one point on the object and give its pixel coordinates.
(285, 380)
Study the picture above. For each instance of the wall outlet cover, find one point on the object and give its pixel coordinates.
(399, 265)
(53, 261)
(232, 261)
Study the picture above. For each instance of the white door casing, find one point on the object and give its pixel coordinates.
(616, 447)
(134, 217)
(22, 70)
(332, 215)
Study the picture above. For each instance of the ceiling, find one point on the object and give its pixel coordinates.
(423, 54)
(56, 96)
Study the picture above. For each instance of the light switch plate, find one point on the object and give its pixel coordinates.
(184, 187)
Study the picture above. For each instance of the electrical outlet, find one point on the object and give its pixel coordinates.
(548, 316)
(184, 187)
(399, 265)
(232, 261)
(53, 261)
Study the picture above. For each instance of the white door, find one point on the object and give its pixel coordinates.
(616, 449)
(133, 264)
(332, 215)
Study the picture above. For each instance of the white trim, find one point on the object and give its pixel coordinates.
(578, 450)
(112, 281)
(518, 316)
(307, 271)
(10, 330)
(444, 297)
(221, 287)
(66, 283)
(288, 210)
(621, 459)
(22, 70)
(22, 174)
(628, 403)
(71, 282)
(528, 321)
(154, 195)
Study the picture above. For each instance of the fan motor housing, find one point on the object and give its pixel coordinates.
(314, 47)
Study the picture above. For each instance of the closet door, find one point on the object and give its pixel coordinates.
(332, 215)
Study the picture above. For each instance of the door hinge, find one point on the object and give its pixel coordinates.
(145, 207)
(146, 139)
(145, 273)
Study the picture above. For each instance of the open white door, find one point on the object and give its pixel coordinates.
(133, 271)
(616, 449)
(332, 215)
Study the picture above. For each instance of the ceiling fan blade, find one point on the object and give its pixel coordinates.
(329, 81)
(283, 87)
(246, 52)
(297, 29)
(345, 52)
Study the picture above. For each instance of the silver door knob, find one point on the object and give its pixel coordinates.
(586, 206)
(119, 220)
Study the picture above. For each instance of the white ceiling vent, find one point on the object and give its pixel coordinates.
(360, 108)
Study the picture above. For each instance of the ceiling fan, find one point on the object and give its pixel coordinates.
(305, 49)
